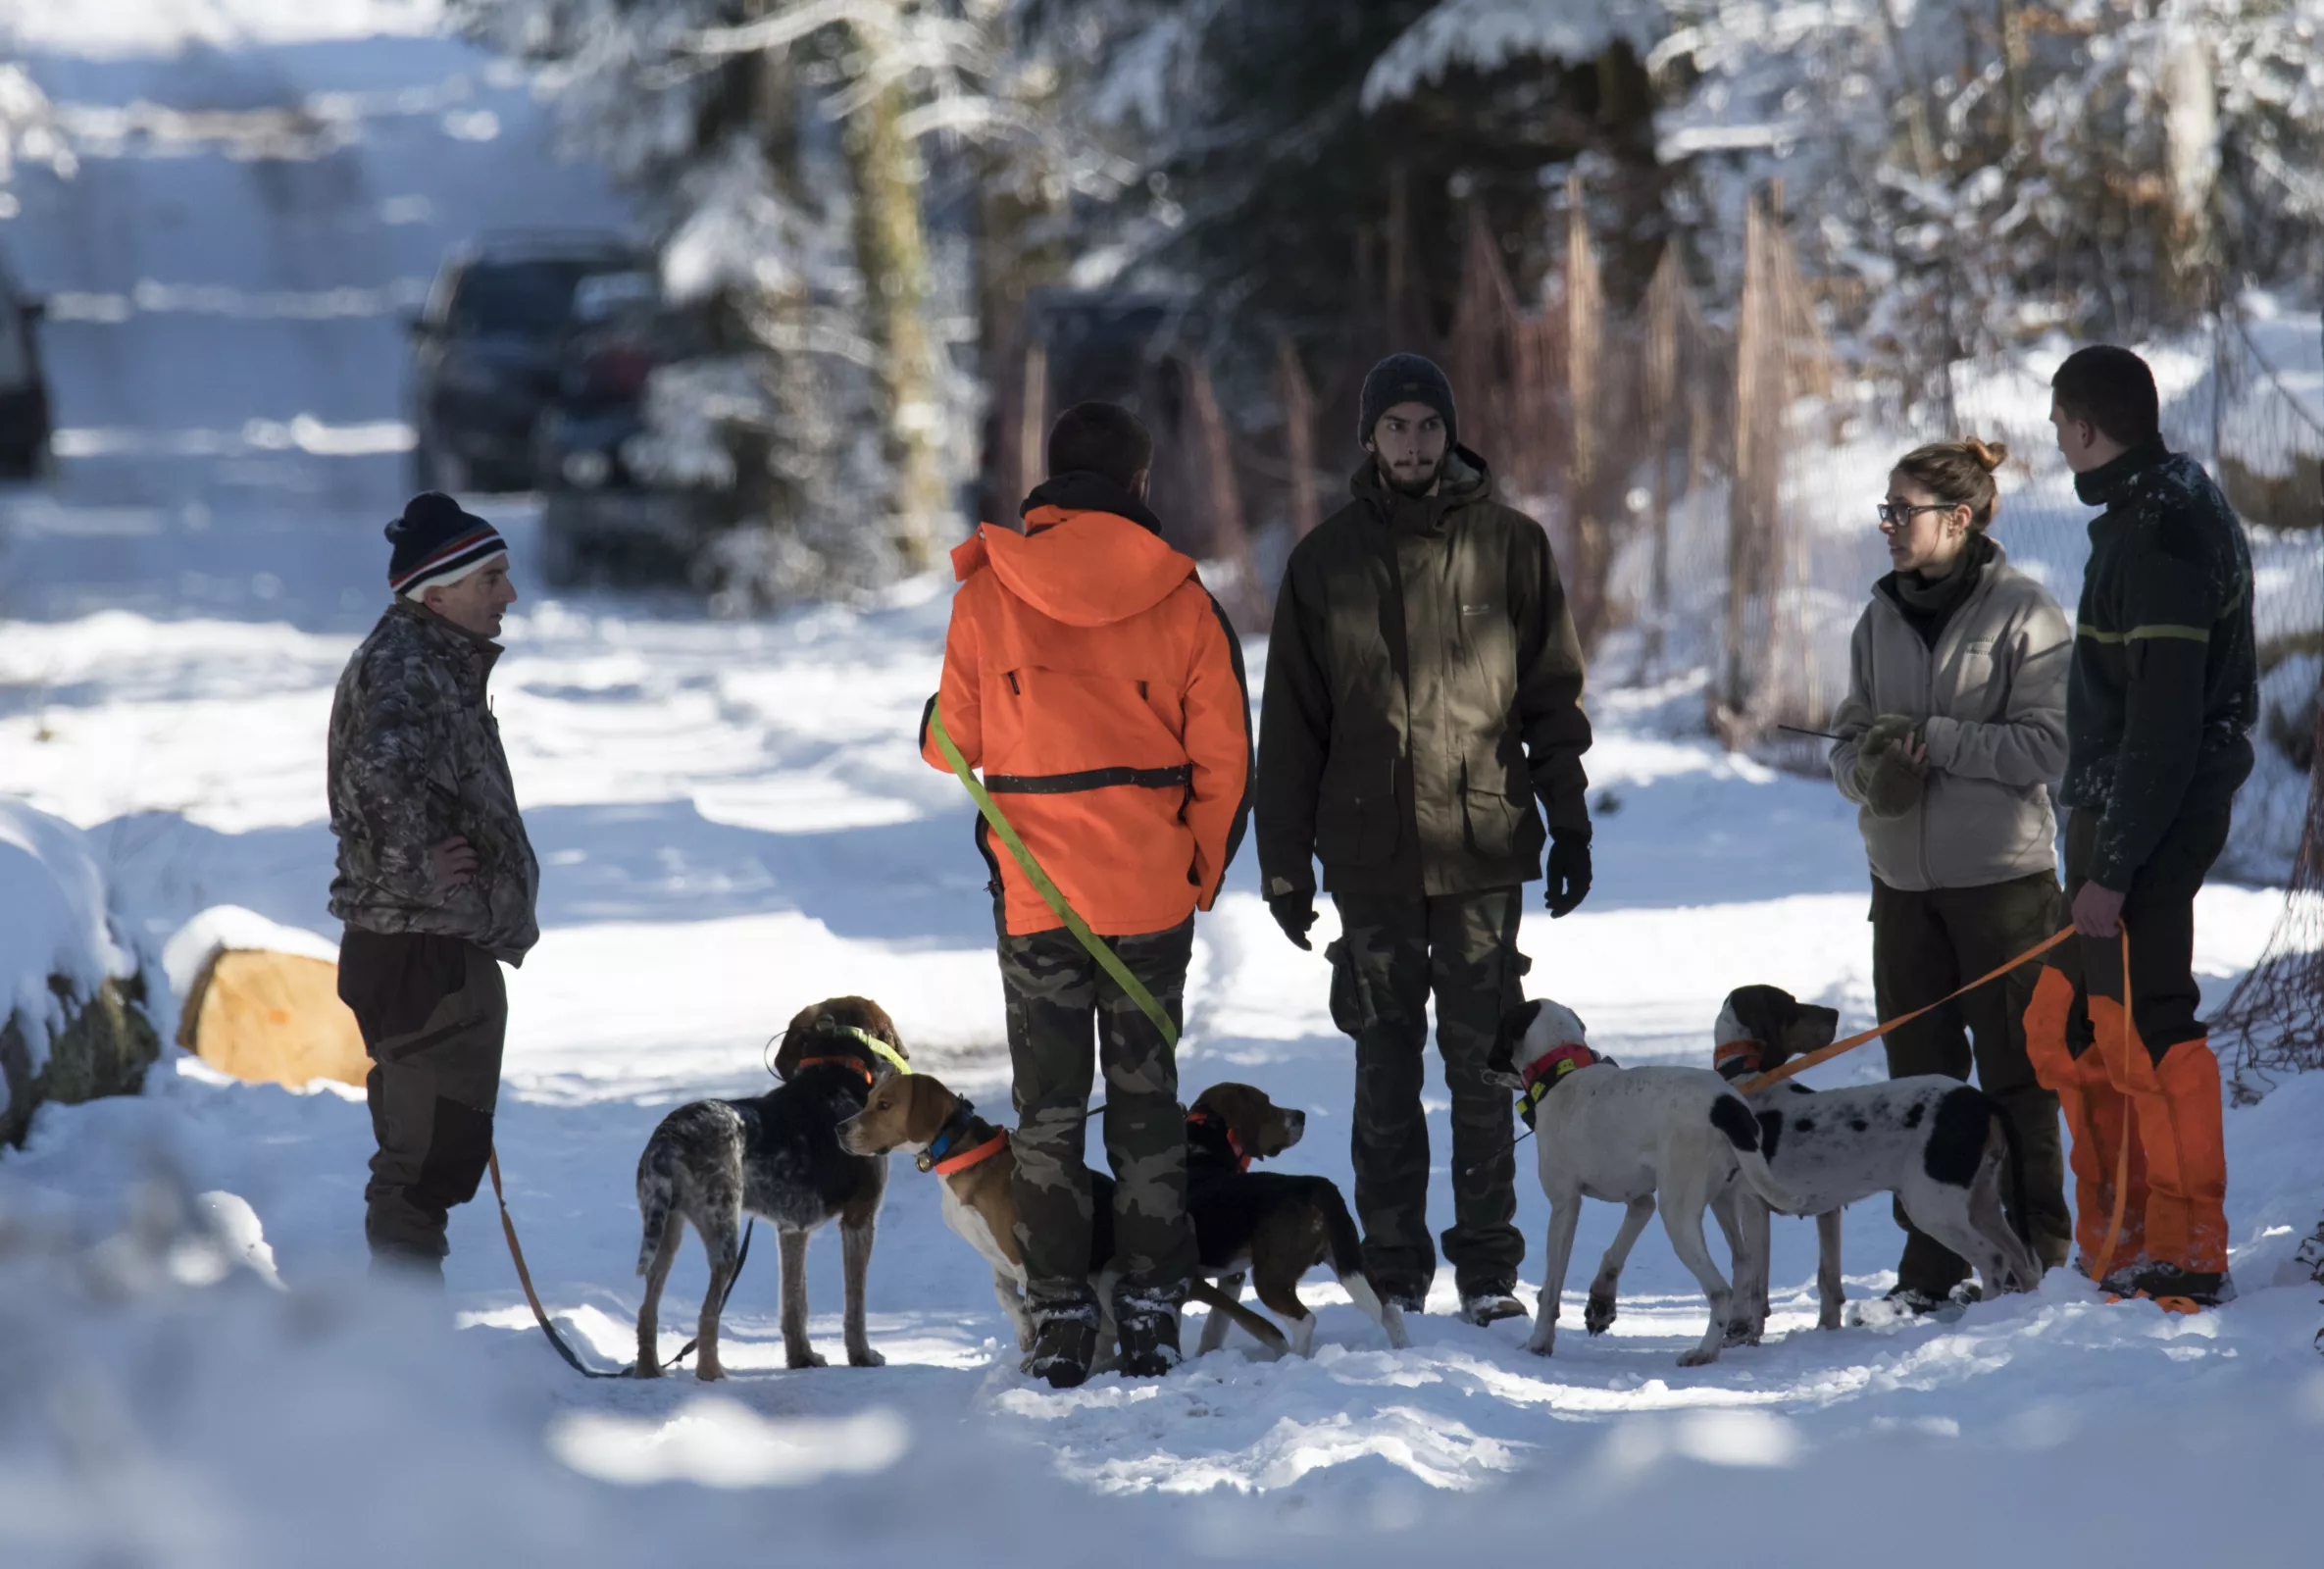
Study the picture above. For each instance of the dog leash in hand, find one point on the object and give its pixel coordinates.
(1108, 959)
(1800, 1064)
(516, 1252)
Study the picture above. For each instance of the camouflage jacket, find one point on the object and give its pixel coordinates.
(415, 759)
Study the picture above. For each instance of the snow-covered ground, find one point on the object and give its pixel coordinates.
(733, 821)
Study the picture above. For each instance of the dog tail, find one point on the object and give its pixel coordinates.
(1348, 1263)
(1218, 1302)
(656, 1189)
(1732, 1115)
(2019, 1221)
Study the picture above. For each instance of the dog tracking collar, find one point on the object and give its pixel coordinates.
(983, 1151)
(1543, 1075)
(1206, 1120)
(1738, 1056)
(956, 1128)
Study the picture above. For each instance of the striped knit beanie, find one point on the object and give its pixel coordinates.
(436, 545)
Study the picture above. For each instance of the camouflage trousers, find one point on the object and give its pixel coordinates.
(1392, 955)
(1066, 1018)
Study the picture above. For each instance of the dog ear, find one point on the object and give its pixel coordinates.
(795, 1039)
(1809, 1029)
(1502, 1062)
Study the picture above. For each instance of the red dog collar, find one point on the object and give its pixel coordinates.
(1204, 1119)
(1748, 1052)
(1558, 1064)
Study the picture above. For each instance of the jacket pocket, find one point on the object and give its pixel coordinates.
(1498, 807)
(1355, 817)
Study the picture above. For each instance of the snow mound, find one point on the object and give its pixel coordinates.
(227, 927)
(115, 28)
(53, 924)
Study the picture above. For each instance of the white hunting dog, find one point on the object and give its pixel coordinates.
(1632, 1136)
(1942, 1146)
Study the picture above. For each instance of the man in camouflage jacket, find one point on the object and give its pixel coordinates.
(436, 880)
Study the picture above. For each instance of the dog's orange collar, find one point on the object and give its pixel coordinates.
(844, 1062)
(967, 1158)
(1205, 1119)
(1746, 1051)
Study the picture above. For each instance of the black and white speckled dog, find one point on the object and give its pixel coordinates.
(1677, 1138)
(1942, 1146)
(776, 1156)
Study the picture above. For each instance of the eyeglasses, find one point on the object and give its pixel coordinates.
(1897, 515)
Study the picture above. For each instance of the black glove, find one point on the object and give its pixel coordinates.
(1569, 871)
(1295, 912)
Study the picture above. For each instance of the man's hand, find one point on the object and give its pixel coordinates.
(451, 864)
(2097, 911)
(1294, 911)
(1569, 871)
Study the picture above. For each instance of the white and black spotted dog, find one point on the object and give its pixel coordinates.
(1942, 1146)
(1639, 1136)
(776, 1156)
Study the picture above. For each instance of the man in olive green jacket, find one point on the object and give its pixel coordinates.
(1424, 690)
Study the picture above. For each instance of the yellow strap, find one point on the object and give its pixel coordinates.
(879, 1049)
(1108, 959)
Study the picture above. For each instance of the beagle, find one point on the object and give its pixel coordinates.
(1272, 1226)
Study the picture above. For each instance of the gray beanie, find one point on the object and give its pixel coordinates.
(1406, 378)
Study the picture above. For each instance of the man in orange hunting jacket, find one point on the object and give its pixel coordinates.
(1100, 688)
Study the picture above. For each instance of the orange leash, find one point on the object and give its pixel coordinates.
(2130, 1126)
(1800, 1064)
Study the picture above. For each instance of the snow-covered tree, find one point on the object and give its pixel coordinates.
(782, 150)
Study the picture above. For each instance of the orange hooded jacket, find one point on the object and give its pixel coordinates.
(1100, 688)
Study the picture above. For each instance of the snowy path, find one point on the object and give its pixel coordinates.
(733, 822)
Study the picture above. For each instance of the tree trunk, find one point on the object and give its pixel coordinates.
(885, 175)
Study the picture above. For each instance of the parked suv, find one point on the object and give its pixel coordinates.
(23, 390)
(486, 350)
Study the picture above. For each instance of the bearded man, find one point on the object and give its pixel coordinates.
(1424, 691)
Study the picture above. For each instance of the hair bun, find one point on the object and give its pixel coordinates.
(1989, 456)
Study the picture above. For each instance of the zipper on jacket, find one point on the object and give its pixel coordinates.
(1015, 690)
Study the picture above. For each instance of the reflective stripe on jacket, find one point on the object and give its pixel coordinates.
(1100, 688)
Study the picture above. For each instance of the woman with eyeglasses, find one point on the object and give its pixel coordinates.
(1954, 729)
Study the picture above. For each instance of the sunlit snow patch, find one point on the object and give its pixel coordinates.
(721, 1444)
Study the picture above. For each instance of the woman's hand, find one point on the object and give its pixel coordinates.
(1915, 753)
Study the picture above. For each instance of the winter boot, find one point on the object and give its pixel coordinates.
(2182, 1290)
(1064, 1345)
(1148, 1326)
(1490, 1305)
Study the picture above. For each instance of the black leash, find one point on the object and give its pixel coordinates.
(1819, 735)
(508, 1226)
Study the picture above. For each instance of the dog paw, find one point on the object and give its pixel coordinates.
(1541, 1345)
(1740, 1332)
(805, 1358)
(709, 1372)
(1698, 1358)
(646, 1368)
(865, 1356)
(1598, 1316)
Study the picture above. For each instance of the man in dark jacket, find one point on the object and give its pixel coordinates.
(436, 879)
(1424, 688)
(2159, 706)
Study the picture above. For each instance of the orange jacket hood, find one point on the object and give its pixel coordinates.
(1086, 569)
